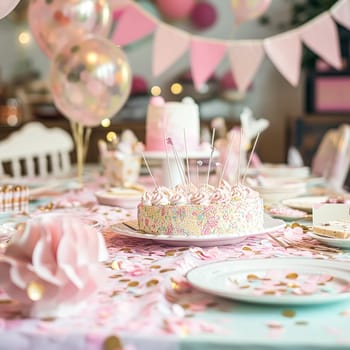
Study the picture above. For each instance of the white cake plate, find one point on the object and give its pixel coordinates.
(170, 170)
(270, 225)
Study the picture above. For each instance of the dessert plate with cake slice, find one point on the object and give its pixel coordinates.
(130, 229)
(335, 233)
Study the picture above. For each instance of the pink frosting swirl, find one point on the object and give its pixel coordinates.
(178, 198)
(220, 196)
(241, 192)
(147, 198)
(200, 197)
(159, 198)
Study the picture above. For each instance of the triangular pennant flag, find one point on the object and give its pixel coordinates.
(168, 46)
(321, 36)
(133, 25)
(205, 57)
(245, 58)
(284, 50)
(340, 11)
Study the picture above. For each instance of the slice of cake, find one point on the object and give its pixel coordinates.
(334, 229)
(188, 210)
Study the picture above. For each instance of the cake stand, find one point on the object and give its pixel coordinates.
(171, 175)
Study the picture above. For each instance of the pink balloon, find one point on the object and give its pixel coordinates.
(53, 23)
(175, 10)
(245, 10)
(203, 15)
(6, 6)
(90, 80)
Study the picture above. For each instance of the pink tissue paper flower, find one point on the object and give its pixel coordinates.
(52, 265)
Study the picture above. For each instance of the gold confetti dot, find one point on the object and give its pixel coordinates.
(6, 301)
(246, 248)
(133, 284)
(126, 250)
(112, 343)
(123, 280)
(166, 270)
(35, 291)
(245, 286)
(288, 313)
(48, 319)
(292, 276)
(116, 276)
(252, 277)
(292, 285)
(152, 283)
(170, 253)
(155, 266)
(269, 292)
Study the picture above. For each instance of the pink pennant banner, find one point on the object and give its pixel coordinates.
(205, 57)
(341, 13)
(285, 50)
(245, 59)
(133, 25)
(168, 46)
(321, 36)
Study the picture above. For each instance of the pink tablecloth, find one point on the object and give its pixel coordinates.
(146, 303)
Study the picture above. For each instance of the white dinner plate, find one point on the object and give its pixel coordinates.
(280, 281)
(270, 225)
(304, 203)
(333, 242)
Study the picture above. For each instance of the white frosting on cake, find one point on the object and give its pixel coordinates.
(190, 210)
(169, 119)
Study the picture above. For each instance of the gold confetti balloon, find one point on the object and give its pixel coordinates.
(55, 22)
(90, 80)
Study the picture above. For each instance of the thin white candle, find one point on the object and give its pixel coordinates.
(226, 160)
(199, 163)
(239, 156)
(187, 161)
(149, 170)
(167, 160)
(211, 154)
(250, 157)
(178, 161)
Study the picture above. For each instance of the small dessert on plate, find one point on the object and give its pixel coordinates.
(120, 197)
(334, 229)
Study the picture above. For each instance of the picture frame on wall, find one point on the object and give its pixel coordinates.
(328, 92)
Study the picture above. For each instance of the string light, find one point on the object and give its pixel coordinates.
(111, 136)
(106, 122)
(24, 38)
(156, 90)
(176, 88)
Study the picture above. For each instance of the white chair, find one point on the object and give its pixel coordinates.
(36, 151)
(332, 159)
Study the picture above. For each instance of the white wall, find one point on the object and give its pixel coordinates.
(272, 97)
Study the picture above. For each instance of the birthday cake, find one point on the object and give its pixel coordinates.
(175, 120)
(188, 210)
(13, 198)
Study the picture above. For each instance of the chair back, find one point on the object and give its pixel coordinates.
(36, 150)
(332, 158)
